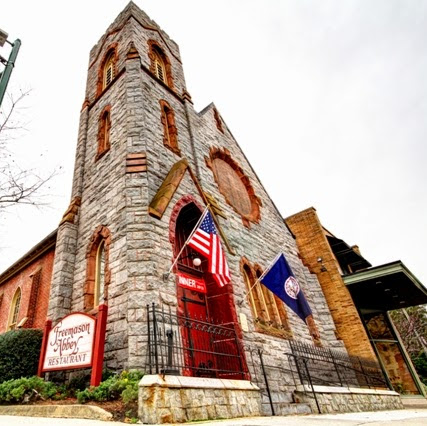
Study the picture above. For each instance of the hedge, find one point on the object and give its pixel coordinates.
(19, 353)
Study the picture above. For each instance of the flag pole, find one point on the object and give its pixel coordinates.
(166, 275)
(245, 295)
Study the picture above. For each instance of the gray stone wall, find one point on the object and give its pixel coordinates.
(348, 402)
(182, 399)
(141, 250)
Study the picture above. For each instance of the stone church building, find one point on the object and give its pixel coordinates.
(147, 165)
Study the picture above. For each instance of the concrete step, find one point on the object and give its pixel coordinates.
(414, 401)
(287, 408)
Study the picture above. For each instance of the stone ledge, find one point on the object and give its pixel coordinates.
(196, 382)
(75, 411)
(338, 389)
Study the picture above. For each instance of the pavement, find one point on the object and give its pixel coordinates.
(394, 418)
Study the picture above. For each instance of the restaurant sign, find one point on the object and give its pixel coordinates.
(70, 343)
(191, 283)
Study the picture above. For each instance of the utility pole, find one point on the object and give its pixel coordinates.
(8, 63)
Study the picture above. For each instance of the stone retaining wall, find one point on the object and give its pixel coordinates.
(178, 399)
(346, 400)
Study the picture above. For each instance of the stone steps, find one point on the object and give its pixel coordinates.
(414, 401)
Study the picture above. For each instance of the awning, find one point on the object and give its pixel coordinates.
(385, 288)
(346, 255)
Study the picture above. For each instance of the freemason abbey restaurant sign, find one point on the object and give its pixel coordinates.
(172, 259)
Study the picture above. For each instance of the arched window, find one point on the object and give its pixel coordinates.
(98, 274)
(160, 64)
(107, 70)
(253, 294)
(268, 310)
(14, 310)
(275, 307)
(108, 74)
(170, 133)
(104, 132)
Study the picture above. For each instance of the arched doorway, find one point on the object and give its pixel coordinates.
(211, 333)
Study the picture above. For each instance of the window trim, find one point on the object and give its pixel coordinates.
(97, 289)
(15, 307)
(157, 55)
(170, 132)
(100, 238)
(109, 60)
(104, 132)
(272, 318)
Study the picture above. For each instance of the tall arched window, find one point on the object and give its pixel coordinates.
(268, 310)
(160, 64)
(104, 132)
(107, 70)
(108, 74)
(14, 310)
(170, 133)
(253, 294)
(98, 274)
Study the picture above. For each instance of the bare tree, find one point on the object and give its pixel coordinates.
(412, 326)
(17, 185)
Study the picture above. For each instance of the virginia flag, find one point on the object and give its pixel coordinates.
(281, 281)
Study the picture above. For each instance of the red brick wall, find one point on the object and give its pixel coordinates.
(34, 280)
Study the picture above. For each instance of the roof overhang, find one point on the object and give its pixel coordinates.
(346, 255)
(385, 288)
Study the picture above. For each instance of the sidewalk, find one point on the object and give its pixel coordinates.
(398, 417)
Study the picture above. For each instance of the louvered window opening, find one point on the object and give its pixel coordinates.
(108, 72)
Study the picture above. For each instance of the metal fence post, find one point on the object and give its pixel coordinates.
(312, 387)
(266, 382)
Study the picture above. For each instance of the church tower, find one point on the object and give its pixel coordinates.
(147, 165)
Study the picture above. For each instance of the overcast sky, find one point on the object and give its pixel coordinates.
(328, 100)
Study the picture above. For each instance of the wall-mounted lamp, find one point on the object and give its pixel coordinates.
(322, 266)
(196, 259)
(196, 262)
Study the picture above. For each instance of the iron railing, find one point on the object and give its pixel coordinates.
(324, 366)
(307, 365)
(181, 345)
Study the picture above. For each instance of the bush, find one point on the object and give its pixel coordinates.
(19, 353)
(124, 386)
(26, 389)
(420, 363)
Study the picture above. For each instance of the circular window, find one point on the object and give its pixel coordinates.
(234, 185)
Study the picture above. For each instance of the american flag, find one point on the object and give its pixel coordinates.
(206, 241)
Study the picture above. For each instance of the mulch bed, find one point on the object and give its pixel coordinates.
(119, 411)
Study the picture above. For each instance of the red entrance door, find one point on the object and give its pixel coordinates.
(195, 333)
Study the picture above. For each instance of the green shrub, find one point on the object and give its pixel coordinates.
(123, 386)
(25, 389)
(19, 353)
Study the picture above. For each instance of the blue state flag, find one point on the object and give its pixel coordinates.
(281, 281)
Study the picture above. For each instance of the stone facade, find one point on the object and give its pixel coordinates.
(172, 399)
(140, 250)
(348, 400)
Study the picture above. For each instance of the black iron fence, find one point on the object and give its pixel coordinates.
(184, 346)
(329, 367)
(307, 365)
